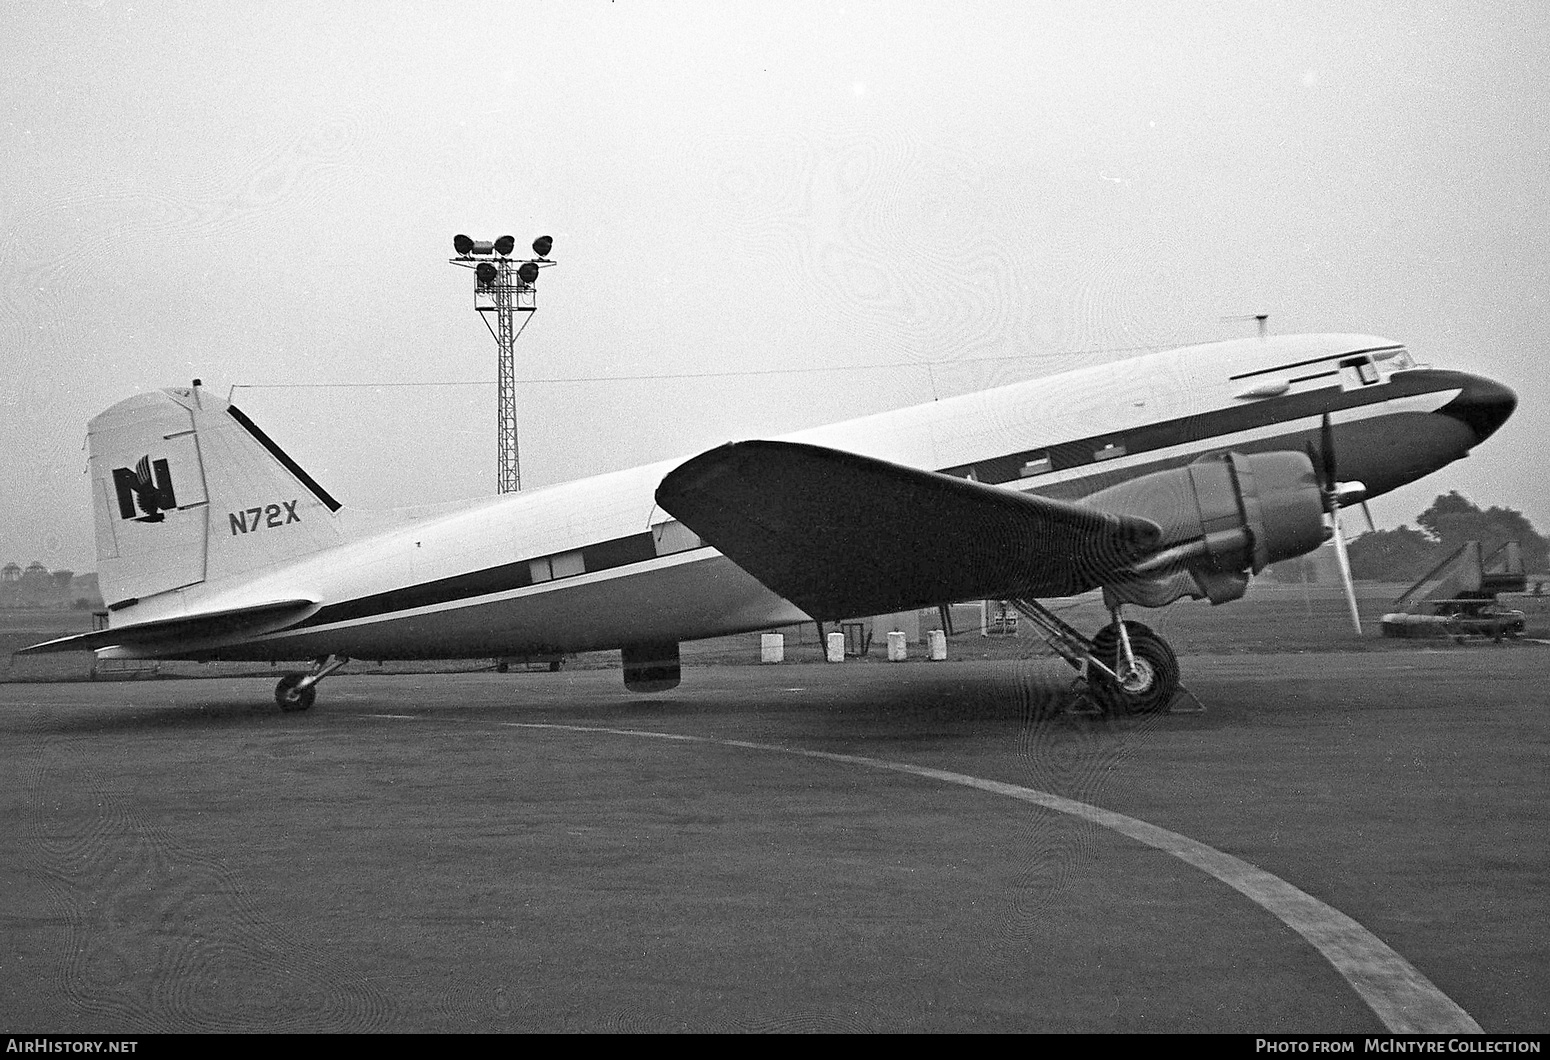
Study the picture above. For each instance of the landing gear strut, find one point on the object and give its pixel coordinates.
(297, 691)
(1127, 669)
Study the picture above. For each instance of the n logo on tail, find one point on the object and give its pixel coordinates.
(153, 495)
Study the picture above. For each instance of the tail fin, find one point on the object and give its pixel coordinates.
(187, 489)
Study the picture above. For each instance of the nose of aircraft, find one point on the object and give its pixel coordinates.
(1483, 405)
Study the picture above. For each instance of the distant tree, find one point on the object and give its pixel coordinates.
(1445, 510)
(1401, 555)
(1406, 554)
(1453, 519)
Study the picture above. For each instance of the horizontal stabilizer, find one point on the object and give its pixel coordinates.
(841, 535)
(235, 623)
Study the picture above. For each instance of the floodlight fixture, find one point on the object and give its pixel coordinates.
(502, 289)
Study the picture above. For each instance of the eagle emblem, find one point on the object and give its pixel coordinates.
(147, 488)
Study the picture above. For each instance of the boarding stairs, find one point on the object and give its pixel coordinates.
(1459, 595)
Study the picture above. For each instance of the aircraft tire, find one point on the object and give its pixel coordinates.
(1154, 658)
(290, 698)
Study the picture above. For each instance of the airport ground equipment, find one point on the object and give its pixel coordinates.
(1459, 596)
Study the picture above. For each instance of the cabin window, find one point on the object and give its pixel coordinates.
(1037, 464)
(551, 567)
(567, 564)
(674, 537)
(1109, 451)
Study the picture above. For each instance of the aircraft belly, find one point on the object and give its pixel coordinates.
(687, 600)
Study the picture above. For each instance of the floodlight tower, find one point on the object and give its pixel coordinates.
(504, 287)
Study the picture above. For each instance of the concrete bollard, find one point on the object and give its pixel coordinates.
(938, 640)
(896, 648)
(772, 647)
(834, 647)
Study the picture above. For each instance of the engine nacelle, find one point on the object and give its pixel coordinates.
(1223, 518)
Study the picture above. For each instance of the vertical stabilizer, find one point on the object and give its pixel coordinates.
(186, 489)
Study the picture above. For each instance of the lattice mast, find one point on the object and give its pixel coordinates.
(503, 288)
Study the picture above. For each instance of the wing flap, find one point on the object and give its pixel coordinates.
(839, 534)
(237, 623)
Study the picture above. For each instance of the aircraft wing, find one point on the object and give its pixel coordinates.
(233, 624)
(839, 534)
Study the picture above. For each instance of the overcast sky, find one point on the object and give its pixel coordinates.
(884, 201)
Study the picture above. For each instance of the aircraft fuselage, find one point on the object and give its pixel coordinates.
(596, 564)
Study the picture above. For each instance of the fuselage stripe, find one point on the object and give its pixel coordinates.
(641, 548)
(604, 555)
(1062, 456)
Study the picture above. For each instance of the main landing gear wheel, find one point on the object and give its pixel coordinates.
(292, 698)
(1146, 687)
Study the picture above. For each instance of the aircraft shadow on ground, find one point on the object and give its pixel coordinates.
(232, 712)
(922, 709)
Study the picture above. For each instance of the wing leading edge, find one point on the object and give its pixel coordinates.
(839, 534)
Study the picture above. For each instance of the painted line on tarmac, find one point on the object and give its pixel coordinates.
(1404, 999)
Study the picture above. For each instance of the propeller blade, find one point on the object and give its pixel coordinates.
(1345, 569)
(1324, 462)
(1317, 461)
(1327, 443)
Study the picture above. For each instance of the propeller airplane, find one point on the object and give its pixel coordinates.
(1177, 474)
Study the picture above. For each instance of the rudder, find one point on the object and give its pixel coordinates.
(187, 489)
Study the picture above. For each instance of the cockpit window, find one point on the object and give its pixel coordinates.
(1358, 372)
(1395, 360)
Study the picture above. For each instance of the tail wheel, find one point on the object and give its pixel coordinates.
(1148, 686)
(292, 698)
